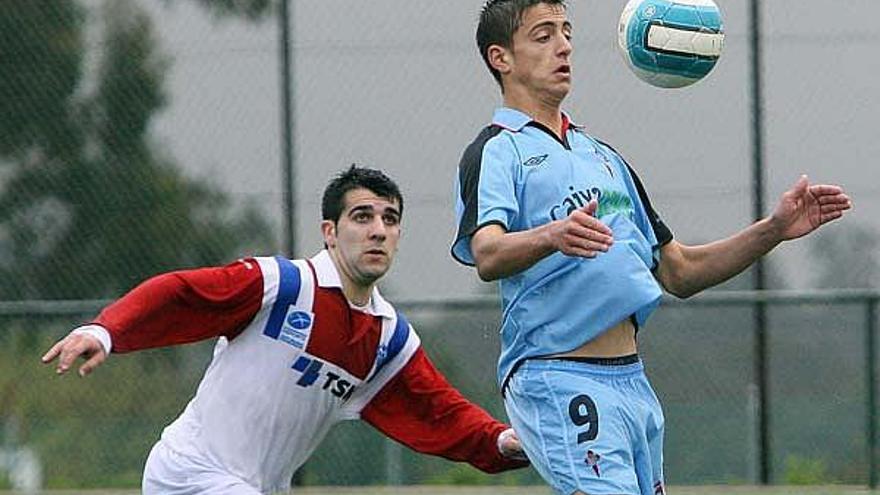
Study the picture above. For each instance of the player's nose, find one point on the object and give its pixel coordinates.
(378, 229)
(565, 47)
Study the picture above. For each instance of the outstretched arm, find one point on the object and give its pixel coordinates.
(172, 308)
(686, 270)
(420, 409)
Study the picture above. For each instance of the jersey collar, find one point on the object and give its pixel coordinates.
(328, 277)
(514, 120)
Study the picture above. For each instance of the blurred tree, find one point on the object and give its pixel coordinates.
(845, 257)
(89, 206)
(250, 9)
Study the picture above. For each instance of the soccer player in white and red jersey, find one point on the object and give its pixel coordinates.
(303, 344)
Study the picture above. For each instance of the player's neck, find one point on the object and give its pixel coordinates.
(356, 293)
(544, 111)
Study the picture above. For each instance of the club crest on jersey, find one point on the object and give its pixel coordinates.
(592, 460)
(296, 327)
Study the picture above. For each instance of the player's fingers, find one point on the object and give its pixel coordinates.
(827, 208)
(801, 185)
(53, 351)
(592, 239)
(584, 248)
(69, 352)
(591, 207)
(825, 189)
(589, 234)
(580, 219)
(93, 362)
(842, 199)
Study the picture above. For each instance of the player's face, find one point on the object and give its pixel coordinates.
(541, 53)
(364, 240)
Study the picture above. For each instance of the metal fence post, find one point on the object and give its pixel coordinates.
(871, 368)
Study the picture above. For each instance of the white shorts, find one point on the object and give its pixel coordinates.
(169, 473)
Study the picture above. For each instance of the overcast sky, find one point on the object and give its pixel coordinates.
(399, 85)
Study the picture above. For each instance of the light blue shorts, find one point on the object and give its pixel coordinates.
(596, 428)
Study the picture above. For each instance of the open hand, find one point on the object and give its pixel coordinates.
(804, 208)
(72, 347)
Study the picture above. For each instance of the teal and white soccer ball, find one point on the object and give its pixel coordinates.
(670, 43)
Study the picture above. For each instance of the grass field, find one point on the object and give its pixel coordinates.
(525, 490)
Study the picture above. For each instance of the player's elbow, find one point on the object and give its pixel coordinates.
(487, 272)
(681, 292)
(676, 284)
(486, 263)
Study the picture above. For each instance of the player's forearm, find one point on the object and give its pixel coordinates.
(696, 268)
(185, 306)
(503, 254)
(420, 409)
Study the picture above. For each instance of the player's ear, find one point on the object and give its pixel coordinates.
(499, 58)
(328, 231)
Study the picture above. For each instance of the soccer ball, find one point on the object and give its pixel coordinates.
(670, 43)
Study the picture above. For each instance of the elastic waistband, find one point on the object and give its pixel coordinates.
(601, 361)
(619, 366)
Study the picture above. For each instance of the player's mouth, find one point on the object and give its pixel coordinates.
(375, 252)
(564, 70)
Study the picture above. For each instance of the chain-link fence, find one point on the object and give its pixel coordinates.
(96, 432)
(139, 136)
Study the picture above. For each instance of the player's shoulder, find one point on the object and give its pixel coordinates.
(473, 153)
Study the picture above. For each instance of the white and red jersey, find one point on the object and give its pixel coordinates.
(295, 357)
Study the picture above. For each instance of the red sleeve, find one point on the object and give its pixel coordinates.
(420, 409)
(185, 306)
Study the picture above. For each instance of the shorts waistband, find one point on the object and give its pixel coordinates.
(621, 366)
(601, 361)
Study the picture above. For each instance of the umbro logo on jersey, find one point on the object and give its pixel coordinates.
(535, 161)
(329, 381)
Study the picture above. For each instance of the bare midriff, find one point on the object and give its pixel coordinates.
(617, 341)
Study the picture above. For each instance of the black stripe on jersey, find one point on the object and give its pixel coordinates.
(469, 183)
(661, 231)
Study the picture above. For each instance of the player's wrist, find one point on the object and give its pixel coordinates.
(550, 238)
(98, 332)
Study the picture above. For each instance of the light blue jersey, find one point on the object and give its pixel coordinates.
(519, 175)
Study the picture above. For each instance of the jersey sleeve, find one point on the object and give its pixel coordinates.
(485, 189)
(421, 410)
(185, 306)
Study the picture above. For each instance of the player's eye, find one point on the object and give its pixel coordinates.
(391, 220)
(362, 217)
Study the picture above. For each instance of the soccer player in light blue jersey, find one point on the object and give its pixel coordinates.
(566, 227)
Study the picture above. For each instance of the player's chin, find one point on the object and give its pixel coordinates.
(560, 87)
(375, 269)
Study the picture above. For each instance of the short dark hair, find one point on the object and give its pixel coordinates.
(499, 19)
(357, 177)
